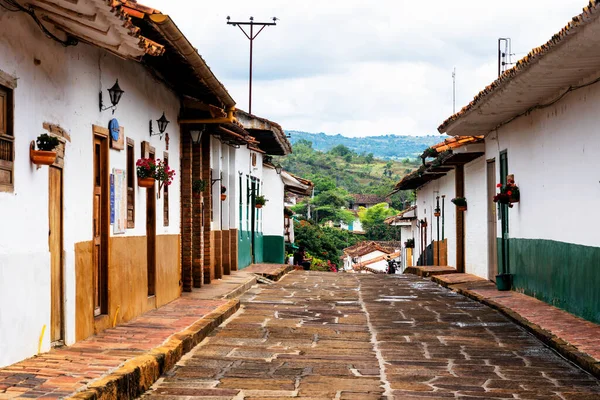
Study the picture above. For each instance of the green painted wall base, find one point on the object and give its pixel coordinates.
(562, 274)
(274, 249)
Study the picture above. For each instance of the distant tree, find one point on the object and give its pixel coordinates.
(324, 243)
(348, 157)
(304, 142)
(340, 150)
(369, 158)
(322, 183)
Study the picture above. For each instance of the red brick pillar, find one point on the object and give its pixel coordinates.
(186, 211)
(197, 262)
(207, 210)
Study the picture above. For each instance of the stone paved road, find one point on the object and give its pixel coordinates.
(342, 336)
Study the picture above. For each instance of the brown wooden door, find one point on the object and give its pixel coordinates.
(100, 226)
(151, 237)
(55, 243)
(492, 221)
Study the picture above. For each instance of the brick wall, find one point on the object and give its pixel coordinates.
(208, 272)
(226, 252)
(197, 237)
(186, 211)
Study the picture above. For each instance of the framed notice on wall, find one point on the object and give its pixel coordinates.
(120, 202)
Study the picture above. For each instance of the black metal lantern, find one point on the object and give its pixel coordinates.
(162, 126)
(162, 123)
(115, 93)
(278, 169)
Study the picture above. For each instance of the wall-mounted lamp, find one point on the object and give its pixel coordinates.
(278, 169)
(162, 126)
(115, 94)
(196, 136)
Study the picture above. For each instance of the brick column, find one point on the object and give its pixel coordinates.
(208, 272)
(226, 251)
(197, 262)
(233, 249)
(186, 211)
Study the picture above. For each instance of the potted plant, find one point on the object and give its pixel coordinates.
(146, 171)
(509, 193)
(45, 154)
(409, 244)
(223, 195)
(198, 186)
(163, 174)
(436, 212)
(260, 201)
(460, 203)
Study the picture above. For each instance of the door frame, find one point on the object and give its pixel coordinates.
(492, 216)
(101, 134)
(57, 341)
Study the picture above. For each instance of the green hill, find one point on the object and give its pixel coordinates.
(354, 172)
(389, 147)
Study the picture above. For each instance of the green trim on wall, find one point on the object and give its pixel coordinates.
(258, 252)
(274, 249)
(562, 274)
(244, 255)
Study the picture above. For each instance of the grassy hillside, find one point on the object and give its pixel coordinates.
(393, 147)
(356, 173)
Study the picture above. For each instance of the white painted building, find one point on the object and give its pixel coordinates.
(546, 139)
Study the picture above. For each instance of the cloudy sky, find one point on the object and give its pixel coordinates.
(367, 67)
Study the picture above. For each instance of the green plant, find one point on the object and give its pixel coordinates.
(198, 186)
(429, 153)
(409, 244)
(287, 212)
(459, 201)
(260, 200)
(223, 189)
(46, 142)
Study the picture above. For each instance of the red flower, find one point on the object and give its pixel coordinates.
(499, 185)
(509, 193)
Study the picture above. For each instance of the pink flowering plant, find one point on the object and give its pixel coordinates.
(146, 168)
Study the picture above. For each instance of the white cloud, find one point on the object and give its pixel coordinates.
(363, 67)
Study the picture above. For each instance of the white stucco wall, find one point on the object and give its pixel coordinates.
(273, 210)
(476, 242)
(553, 156)
(63, 89)
(426, 204)
(243, 166)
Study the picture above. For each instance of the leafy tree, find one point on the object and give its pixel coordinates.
(340, 150)
(322, 242)
(329, 206)
(369, 158)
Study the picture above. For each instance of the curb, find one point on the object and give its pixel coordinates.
(136, 376)
(241, 289)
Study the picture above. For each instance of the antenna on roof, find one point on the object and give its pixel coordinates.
(504, 55)
(454, 91)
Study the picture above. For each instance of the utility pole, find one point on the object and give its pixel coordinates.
(251, 36)
(454, 91)
(504, 56)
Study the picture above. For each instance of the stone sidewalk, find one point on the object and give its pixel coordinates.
(574, 338)
(122, 362)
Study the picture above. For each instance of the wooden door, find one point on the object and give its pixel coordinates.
(55, 243)
(101, 224)
(151, 236)
(492, 221)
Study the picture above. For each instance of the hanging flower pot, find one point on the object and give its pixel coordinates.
(223, 197)
(460, 203)
(437, 214)
(45, 154)
(260, 201)
(147, 182)
(509, 193)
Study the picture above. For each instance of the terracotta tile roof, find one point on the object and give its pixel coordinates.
(456, 142)
(369, 199)
(365, 247)
(532, 58)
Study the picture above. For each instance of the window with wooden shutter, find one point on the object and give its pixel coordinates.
(7, 150)
(131, 174)
(166, 195)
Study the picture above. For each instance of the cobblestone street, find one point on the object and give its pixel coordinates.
(343, 336)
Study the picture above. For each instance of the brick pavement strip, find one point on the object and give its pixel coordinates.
(357, 336)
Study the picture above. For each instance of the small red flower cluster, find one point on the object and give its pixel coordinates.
(509, 193)
(157, 169)
(331, 266)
